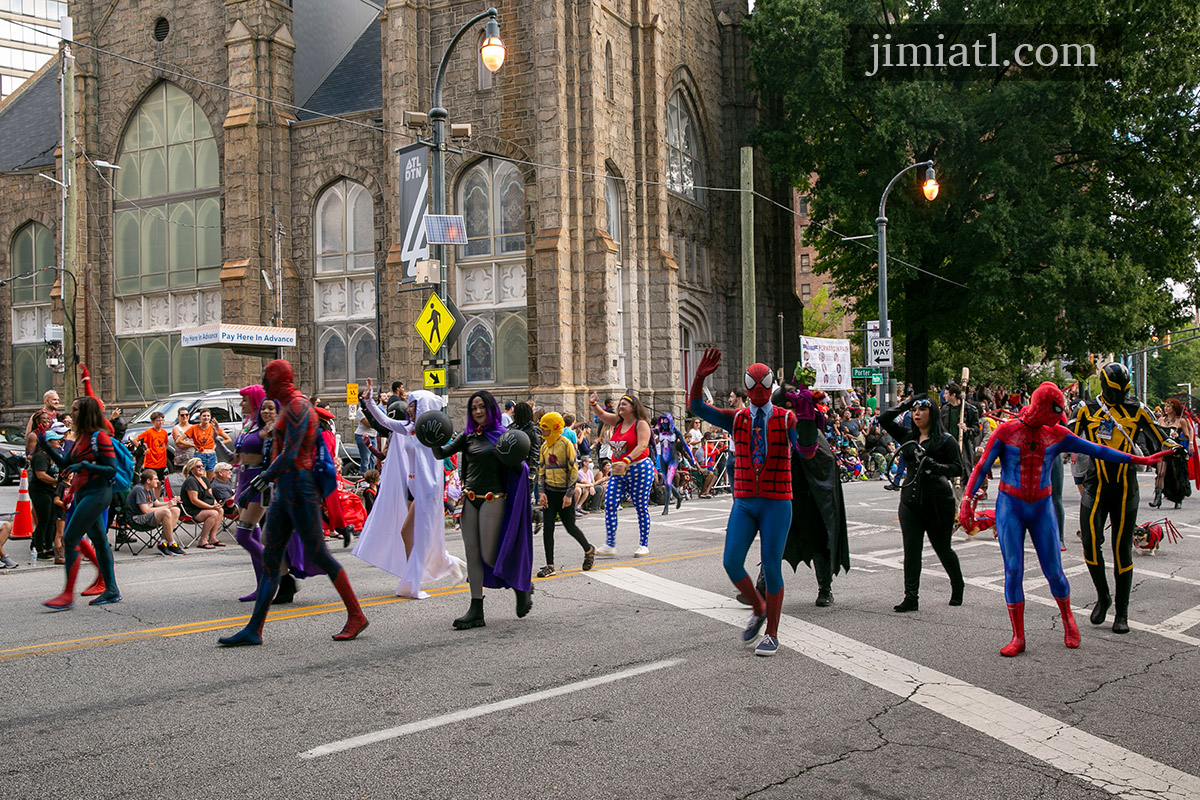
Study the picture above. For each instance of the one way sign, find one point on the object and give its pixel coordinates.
(879, 353)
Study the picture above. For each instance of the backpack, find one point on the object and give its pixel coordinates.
(324, 470)
(122, 479)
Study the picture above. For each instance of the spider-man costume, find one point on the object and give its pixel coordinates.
(668, 439)
(765, 436)
(1025, 447)
(295, 506)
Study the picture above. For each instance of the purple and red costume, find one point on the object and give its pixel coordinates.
(296, 506)
(1026, 447)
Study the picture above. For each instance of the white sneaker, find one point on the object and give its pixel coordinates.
(605, 550)
(642, 551)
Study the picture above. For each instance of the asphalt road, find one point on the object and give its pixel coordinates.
(628, 681)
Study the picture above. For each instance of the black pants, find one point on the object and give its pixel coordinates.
(933, 518)
(43, 509)
(1114, 501)
(554, 511)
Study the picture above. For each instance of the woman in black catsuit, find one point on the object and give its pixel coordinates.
(484, 501)
(926, 498)
(90, 468)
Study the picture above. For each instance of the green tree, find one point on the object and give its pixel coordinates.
(824, 315)
(1065, 206)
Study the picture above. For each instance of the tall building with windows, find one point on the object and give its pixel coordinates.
(603, 248)
(29, 35)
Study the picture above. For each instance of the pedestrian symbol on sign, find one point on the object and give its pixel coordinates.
(435, 324)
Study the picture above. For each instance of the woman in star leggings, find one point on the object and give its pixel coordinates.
(632, 470)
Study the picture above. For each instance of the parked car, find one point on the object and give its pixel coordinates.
(225, 405)
(12, 454)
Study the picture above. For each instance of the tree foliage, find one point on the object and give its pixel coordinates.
(1065, 206)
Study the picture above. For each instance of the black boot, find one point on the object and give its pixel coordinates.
(1103, 598)
(1157, 501)
(908, 604)
(287, 590)
(1121, 618)
(679, 498)
(473, 618)
(956, 593)
(824, 572)
(524, 602)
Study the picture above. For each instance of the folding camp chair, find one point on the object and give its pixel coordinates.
(135, 537)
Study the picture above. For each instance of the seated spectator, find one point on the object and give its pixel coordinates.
(147, 511)
(694, 435)
(371, 492)
(585, 484)
(5, 561)
(223, 487)
(600, 482)
(200, 504)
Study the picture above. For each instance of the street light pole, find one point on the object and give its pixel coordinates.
(930, 189)
(492, 51)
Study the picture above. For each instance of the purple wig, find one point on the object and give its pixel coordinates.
(494, 427)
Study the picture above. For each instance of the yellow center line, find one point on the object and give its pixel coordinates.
(205, 626)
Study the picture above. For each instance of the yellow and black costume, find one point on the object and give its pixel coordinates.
(1110, 490)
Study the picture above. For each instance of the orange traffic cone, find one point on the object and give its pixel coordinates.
(23, 524)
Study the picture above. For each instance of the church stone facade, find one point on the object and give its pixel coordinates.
(602, 253)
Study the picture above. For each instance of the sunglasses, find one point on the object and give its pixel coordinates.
(923, 404)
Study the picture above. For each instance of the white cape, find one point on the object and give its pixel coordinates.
(409, 471)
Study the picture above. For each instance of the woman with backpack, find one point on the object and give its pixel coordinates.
(91, 465)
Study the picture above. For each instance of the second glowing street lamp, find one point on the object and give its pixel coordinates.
(492, 53)
(930, 189)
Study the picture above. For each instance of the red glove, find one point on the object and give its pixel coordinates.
(1154, 458)
(708, 365)
(966, 514)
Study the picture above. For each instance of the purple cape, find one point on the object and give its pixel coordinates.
(514, 560)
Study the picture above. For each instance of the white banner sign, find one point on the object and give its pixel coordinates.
(257, 335)
(829, 358)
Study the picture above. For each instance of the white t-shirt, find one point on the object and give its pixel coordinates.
(694, 437)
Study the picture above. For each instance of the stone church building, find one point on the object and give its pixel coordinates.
(603, 241)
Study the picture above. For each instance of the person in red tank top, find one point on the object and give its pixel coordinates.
(764, 436)
(632, 470)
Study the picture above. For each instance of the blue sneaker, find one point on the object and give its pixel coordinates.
(752, 628)
(767, 646)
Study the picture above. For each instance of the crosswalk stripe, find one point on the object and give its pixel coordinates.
(1114, 769)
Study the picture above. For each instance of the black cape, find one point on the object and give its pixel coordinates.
(818, 510)
(1175, 478)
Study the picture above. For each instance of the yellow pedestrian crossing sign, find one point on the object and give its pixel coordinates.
(435, 379)
(434, 324)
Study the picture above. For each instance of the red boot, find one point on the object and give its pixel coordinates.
(356, 623)
(89, 552)
(1070, 629)
(1016, 613)
(65, 600)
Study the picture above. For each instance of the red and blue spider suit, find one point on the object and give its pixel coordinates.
(295, 506)
(764, 436)
(1025, 447)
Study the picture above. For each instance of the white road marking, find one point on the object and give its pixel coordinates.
(479, 711)
(990, 582)
(1182, 621)
(1112, 768)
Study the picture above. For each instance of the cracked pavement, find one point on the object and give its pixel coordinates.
(174, 716)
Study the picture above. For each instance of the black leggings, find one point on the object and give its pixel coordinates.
(43, 509)
(555, 509)
(935, 518)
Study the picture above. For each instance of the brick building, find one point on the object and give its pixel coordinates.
(597, 257)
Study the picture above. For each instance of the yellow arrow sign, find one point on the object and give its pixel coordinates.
(435, 379)
(434, 323)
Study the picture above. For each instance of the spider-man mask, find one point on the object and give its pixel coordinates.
(1047, 406)
(278, 378)
(759, 380)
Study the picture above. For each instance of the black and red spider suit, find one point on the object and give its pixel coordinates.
(295, 506)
